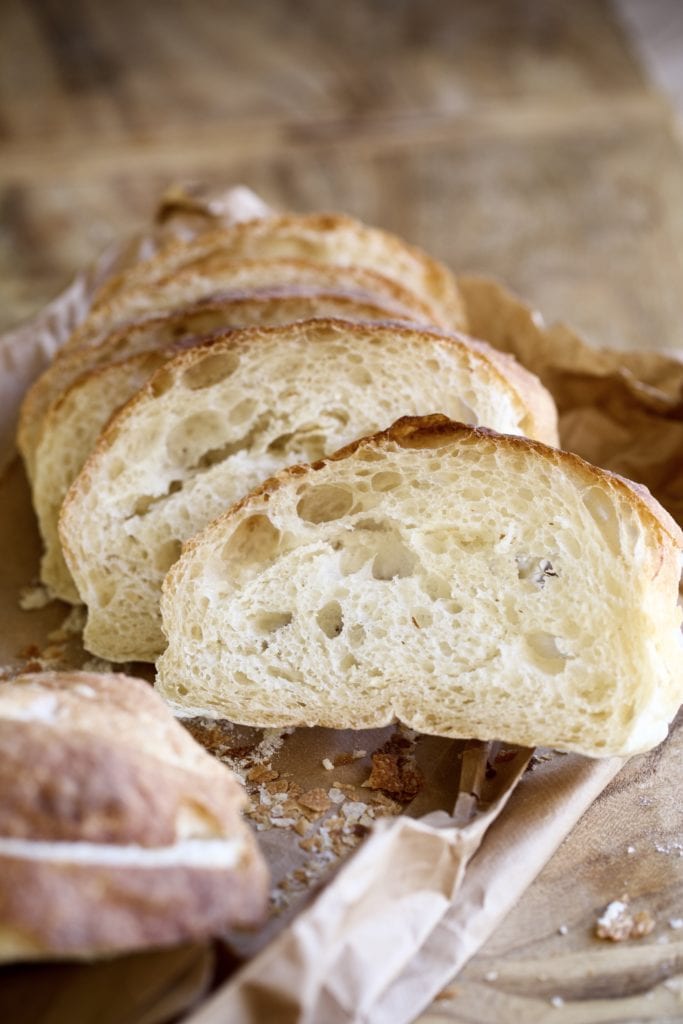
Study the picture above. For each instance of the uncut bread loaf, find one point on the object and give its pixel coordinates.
(217, 420)
(465, 583)
(323, 238)
(222, 274)
(199, 319)
(117, 830)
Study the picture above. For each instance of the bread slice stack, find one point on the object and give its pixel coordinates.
(465, 583)
(217, 419)
(117, 830)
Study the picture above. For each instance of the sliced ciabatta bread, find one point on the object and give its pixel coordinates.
(117, 830)
(244, 309)
(226, 274)
(325, 238)
(462, 582)
(218, 419)
(70, 431)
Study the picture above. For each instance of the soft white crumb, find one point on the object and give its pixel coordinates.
(563, 929)
(32, 598)
(327, 764)
(557, 1001)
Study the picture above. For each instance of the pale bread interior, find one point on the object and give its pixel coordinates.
(181, 327)
(215, 421)
(466, 584)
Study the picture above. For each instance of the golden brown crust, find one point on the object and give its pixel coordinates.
(86, 787)
(67, 910)
(70, 775)
(438, 282)
(301, 272)
(190, 324)
(432, 431)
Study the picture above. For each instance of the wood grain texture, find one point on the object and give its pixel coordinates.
(518, 139)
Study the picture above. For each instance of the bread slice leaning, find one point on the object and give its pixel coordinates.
(117, 830)
(324, 238)
(465, 583)
(243, 309)
(218, 419)
(223, 274)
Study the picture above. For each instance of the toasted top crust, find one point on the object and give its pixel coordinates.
(231, 311)
(124, 833)
(432, 431)
(324, 237)
(220, 274)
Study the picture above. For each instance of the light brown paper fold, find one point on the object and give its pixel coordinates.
(424, 890)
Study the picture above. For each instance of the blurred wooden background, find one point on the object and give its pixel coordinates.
(520, 138)
(516, 137)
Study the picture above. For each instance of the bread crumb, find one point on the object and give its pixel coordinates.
(617, 923)
(262, 773)
(396, 773)
(563, 929)
(336, 795)
(327, 764)
(490, 975)
(315, 800)
(556, 1001)
(630, 849)
(676, 923)
(34, 597)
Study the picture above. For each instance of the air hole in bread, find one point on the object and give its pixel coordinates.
(146, 501)
(537, 570)
(347, 663)
(355, 634)
(194, 435)
(330, 619)
(369, 455)
(386, 481)
(115, 468)
(393, 559)
(360, 376)
(254, 541)
(181, 690)
(105, 590)
(604, 514)
(324, 503)
(167, 554)
(242, 411)
(436, 587)
(289, 675)
(268, 622)
(212, 369)
(196, 632)
(546, 653)
(161, 382)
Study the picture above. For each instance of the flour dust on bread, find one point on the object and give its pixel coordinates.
(323, 238)
(179, 327)
(117, 830)
(465, 583)
(218, 419)
(219, 274)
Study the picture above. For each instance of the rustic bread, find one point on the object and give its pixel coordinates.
(225, 274)
(465, 583)
(218, 419)
(70, 431)
(325, 238)
(198, 319)
(117, 830)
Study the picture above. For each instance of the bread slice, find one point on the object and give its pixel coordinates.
(226, 274)
(117, 830)
(465, 583)
(242, 309)
(324, 238)
(218, 419)
(70, 431)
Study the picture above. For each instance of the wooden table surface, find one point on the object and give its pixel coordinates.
(520, 139)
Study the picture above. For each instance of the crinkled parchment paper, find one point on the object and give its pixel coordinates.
(394, 856)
